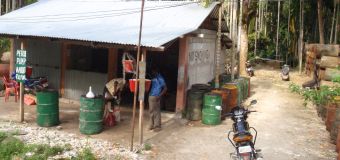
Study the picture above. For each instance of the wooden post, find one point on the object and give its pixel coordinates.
(11, 57)
(137, 76)
(112, 63)
(182, 74)
(141, 98)
(21, 98)
(63, 68)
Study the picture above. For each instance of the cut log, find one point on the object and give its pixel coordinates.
(330, 74)
(329, 62)
(321, 74)
(324, 49)
(328, 83)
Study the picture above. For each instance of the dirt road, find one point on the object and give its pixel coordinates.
(287, 131)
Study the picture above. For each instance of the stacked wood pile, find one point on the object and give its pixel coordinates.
(327, 57)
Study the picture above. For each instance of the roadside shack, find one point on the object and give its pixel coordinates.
(77, 45)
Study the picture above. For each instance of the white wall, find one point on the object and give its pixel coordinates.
(201, 60)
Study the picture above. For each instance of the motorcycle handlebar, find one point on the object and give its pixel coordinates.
(231, 114)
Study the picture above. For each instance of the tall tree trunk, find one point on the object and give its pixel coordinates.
(239, 26)
(265, 21)
(333, 22)
(288, 32)
(320, 18)
(14, 4)
(277, 30)
(336, 26)
(301, 36)
(234, 38)
(244, 39)
(7, 6)
(255, 45)
(0, 7)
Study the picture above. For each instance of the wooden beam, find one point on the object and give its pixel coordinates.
(64, 60)
(182, 74)
(112, 63)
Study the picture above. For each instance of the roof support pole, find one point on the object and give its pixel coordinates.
(137, 76)
(141, 96)
(63, 68)
(21, 97)
(182, 74)
(218, 49)
(112, 63)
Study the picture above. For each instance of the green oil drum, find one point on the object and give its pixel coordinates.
(194, 104)
(47, 108)
(240, 88)
(211, 100)
(225, 78)
(91, 115)
(211, 116)
(245, 82)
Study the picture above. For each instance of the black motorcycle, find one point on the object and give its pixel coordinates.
(243, 140)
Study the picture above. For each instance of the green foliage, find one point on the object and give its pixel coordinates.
(295, 88)
(147, 146)
(265, 47)
(319, 97)
(85, 154)
(41, 151)
(12, 147)
(4, 45)
(28, 2)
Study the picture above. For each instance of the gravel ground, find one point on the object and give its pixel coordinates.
(54, 137)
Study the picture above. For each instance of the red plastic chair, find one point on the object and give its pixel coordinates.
(11, 86)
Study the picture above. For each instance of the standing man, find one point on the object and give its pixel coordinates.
(158, 89)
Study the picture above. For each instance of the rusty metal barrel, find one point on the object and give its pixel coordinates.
(232, 91)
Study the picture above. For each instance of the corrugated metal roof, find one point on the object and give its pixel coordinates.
(107, 21)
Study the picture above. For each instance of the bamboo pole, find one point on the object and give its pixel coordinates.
(277, 30)
(137, 75)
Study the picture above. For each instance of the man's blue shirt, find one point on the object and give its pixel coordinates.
(157, 85)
